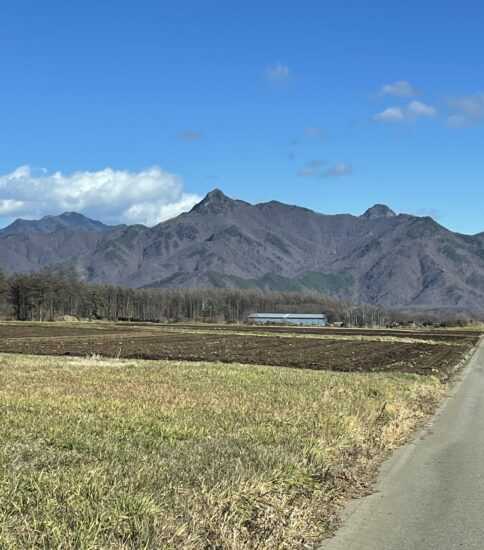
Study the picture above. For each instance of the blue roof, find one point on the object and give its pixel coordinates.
(287, 316)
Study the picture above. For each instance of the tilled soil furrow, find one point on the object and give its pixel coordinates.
(310, 353)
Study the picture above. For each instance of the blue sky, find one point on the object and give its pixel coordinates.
(133, 110)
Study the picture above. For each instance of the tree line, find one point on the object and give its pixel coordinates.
(52, 294)
(49, 295)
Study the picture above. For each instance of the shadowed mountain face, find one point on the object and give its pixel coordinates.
(27, 245)
(379, 257)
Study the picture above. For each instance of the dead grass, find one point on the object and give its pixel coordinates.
(116, 454)
(328, 336)
(476, 327)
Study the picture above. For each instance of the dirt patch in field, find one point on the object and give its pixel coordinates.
(279, 350)
(423, 333)
(36, 330)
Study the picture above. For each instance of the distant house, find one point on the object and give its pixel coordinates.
(288, 318)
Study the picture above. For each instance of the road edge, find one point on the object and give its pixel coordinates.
(395, 458)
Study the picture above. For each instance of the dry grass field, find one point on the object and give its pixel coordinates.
(111, 453)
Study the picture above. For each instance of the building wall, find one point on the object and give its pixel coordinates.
(312, 322)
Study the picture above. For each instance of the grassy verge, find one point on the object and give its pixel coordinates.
(111, 454)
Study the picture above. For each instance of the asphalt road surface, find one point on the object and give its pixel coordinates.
(430, 494)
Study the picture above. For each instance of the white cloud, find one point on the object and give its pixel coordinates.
(468, 110)
(338, 170)
(278, 72)
(432, 212)
(311, 168)
(392, 114)
(312, 132)
(9, 207)
(113, 196)
(415, 109)
(190, 135)
(400, 88)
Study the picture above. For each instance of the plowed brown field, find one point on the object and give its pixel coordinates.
(341, 350)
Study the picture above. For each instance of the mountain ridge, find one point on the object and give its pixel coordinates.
(381, 257)
(51, 224)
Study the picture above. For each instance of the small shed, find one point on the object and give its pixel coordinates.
(318, 319)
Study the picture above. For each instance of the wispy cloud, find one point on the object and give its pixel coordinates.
(468, 110)
(278, 72)
(314, 169)
(338, 170)
(311, 168)
(392, 114)
(400, 88)
(432, 212)
(114, 196)
(314, 133)
(415, 109)
(190, 135)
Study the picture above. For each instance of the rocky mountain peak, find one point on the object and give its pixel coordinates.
(72, 215)
(379, 211)
(216, 195)
(215, 200)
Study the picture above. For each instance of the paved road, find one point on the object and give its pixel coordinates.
(430, 494)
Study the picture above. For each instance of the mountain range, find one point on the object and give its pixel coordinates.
(379, 257)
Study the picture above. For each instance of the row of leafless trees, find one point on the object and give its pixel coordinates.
(51, 294)
(48, 295)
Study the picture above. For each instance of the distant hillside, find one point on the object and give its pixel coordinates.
(50, 224)
(27, 245)
(379, 257)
